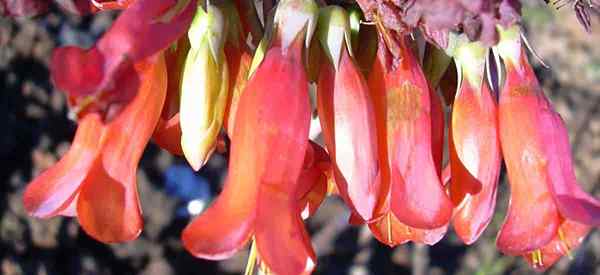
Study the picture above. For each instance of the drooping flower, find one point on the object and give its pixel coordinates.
(549, 214)
(96, 179)
(474, 146)
(347, 116)
(404, 125)
(268, 148)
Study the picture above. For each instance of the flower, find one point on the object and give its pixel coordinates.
(405, 109)
(475, 155)
(96, 179)
(548, 211)
(260, 194)
(347, 116)
(404, 123)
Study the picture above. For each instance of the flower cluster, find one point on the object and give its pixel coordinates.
(382, 120)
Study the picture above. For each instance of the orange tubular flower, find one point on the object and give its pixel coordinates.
(260, 195)
(347, 116)
(404, 122)
(96, 179)
(399, 103)
(549, 214)
(474, 146)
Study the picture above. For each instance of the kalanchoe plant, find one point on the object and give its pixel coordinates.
(181, 72)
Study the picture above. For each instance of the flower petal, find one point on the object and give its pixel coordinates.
(569, 236)
(390, 231)
(418, 198)
(572, 201)
(348, 123)
(108, 204)
(533, 218)
(475, 160)
(52, 191)
(239, 77)
(312, 183)
(167, 134)
(282, 242)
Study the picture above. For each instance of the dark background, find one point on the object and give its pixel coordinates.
(35, 132)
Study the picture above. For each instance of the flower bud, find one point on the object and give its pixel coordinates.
(204, 87)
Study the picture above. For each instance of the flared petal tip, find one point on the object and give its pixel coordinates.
(117, 238)
(584, 209)
(202, 248)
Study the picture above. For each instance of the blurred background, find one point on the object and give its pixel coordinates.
(36, 132)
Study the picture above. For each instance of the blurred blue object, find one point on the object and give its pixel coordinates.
(190, 188)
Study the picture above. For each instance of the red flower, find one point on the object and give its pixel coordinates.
(347, 117)
(96, 179)
(409, 116)
(548, 210)
(474, 146)
(404, 123)
(268, 148)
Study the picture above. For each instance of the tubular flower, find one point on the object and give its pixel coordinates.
(204, 86)
(536, 149)
(347, 116)
(391, 109)
(260, 193)
(96, 179)
(403, 106)
(474, 146)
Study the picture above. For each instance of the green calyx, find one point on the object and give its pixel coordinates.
(208, 27)
(509, 45)
(292, 17)
(333, 32)
(259, 55)
(470, 58)
(354, 15)
(435, 65)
